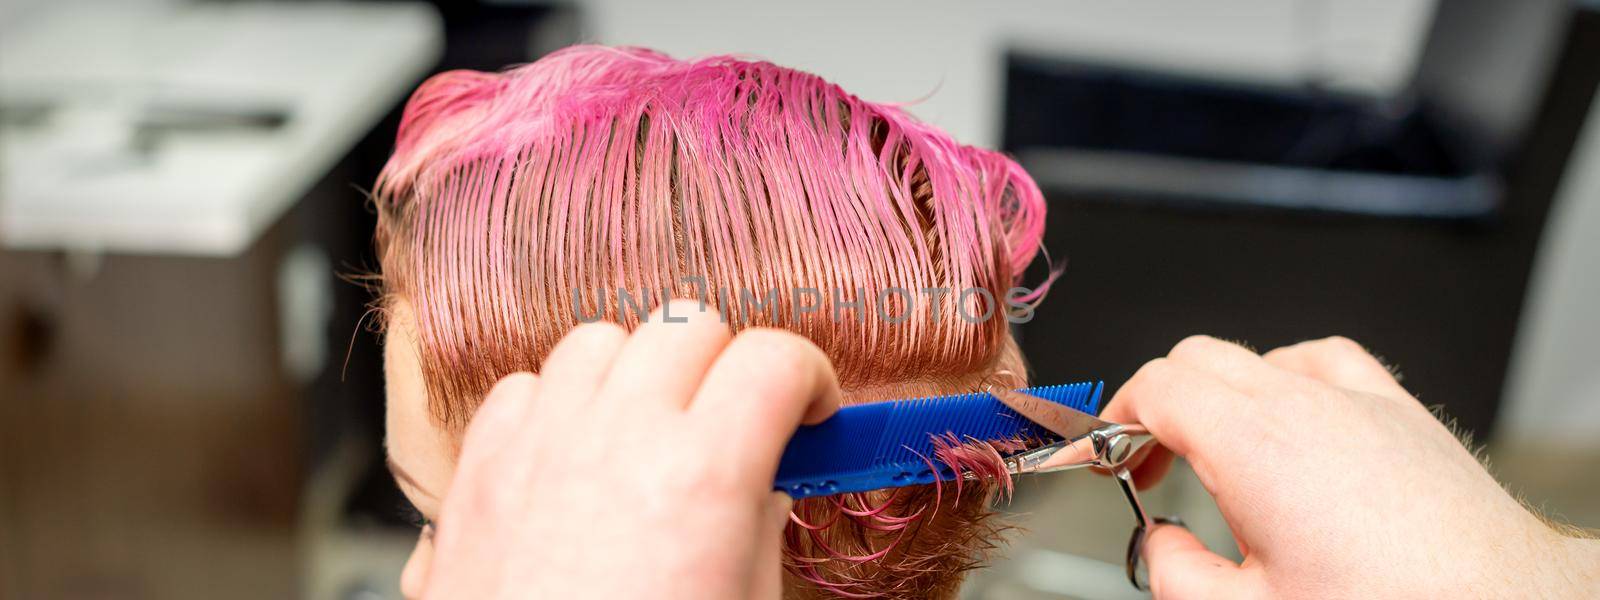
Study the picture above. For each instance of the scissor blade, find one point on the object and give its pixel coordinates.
(1061, 420)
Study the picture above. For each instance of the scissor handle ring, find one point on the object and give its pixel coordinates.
(1138, 572)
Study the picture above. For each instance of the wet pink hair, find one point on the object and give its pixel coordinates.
(599, 169)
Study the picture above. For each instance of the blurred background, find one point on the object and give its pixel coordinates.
(190, 403)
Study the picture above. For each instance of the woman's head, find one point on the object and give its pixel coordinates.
(598, 181)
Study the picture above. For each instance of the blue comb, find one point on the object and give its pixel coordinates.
(890, 444)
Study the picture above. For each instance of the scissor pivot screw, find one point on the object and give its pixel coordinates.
(1117, 449)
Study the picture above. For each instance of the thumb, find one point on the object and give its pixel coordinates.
(1181, 567)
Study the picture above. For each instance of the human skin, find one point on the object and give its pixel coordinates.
(1336, 482)
(634, 466)
(424, 456)
(421, 454)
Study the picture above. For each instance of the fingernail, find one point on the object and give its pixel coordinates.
(1170, 520)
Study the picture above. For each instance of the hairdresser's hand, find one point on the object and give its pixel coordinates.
(633, 466)
(1336, 483)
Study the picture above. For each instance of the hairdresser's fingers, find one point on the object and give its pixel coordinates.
(496, 440)
(575, 369)
(1232, 363)
(1181, 567)
(765, 384)
(1189, 411)
(667, 356)
(1340, 362)
(769, 547)
(501, 417)
(1150, 465)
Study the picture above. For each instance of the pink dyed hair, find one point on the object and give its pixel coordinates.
(620, 168)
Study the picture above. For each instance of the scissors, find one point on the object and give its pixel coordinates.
(1086, 441)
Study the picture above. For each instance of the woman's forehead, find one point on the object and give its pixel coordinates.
(416, 442)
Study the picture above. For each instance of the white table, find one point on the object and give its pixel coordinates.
(73, 180)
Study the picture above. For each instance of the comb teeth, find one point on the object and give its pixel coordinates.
(887, 444)
(1081, 396)
(914, 423)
